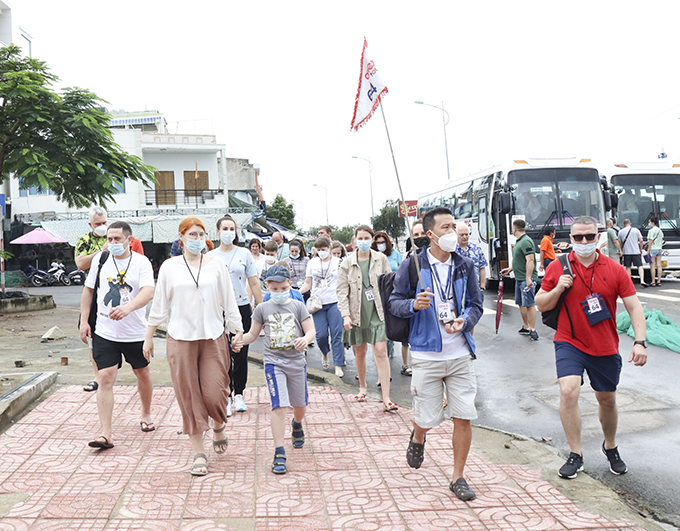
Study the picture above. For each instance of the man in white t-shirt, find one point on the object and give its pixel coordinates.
(126, 285)
(442, 349)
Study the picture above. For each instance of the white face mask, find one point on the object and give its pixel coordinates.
(382, 247)
(100, 230)
(270, 259)
(584, 249)
(447, 242)
(227, 236)
(323, 254)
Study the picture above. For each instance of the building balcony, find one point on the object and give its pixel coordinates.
(180, 197)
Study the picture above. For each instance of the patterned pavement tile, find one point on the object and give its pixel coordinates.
(168, 464)
(358, 502)
(543, 493)
(8, 464)
(330, 430)
(352, 445)
(454, 520)
(407, 477)
(78, 506)
(220, 504)
(288, 503)
(303, 523)
(488, 474)
(111, 462)
(572, 517)
(86, 524)
(348, 480)
(342, 461)
(213, 524)
(153, 506)
(402, 431)
(424, 498)
(512, 518)
(294, 479)
(167, 483)
(86, 484)
(391, 521)
(521, 474)
(15, 524)
(499, 496)
(126, 524)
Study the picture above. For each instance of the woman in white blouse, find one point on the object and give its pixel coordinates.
(195, 297)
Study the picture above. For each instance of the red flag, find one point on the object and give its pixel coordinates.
(369, 93)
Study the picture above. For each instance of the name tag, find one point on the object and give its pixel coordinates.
(370, 296)
(594, 303)
(124, 296)
(444, 313)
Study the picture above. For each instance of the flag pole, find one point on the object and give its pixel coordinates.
(403, 201)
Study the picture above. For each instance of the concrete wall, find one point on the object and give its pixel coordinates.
(30, 304)
(240, 174)
(181, 162)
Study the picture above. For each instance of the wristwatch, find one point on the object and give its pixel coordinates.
(643, 343)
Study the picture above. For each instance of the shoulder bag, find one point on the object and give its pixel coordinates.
(550, 317)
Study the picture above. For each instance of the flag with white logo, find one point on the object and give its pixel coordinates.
(370, 91)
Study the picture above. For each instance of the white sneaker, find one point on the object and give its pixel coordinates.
(338, 372)
(239, 404)
(229, 407)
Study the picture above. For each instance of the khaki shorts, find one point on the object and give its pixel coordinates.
(429, 382)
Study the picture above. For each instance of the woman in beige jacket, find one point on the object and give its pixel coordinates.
(362, 311)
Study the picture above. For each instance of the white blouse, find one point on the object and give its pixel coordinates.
(193, 313)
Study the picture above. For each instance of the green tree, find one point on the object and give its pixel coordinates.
(389, 221)
(345, 234)
(59, 141)
(282, 212)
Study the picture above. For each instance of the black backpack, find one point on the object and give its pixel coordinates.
(551, 317)
(396, 328)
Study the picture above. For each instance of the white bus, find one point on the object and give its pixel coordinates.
(542, 192)
(646, 189)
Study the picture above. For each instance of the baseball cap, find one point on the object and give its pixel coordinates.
(277, 273)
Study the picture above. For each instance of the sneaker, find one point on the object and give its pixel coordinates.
(616, 464)
(239, 404)
(533, 335)
(229, 407)
(573, 465)
(523, 331)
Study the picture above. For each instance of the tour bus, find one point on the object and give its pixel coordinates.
(650, 189)
(542, 192)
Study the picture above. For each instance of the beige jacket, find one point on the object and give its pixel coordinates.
(350, 288)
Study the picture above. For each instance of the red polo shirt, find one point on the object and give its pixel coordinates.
(610, 280)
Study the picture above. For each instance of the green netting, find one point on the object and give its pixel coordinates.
(661, 330)
(15, 278)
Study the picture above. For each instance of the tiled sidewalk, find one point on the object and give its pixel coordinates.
(351, 474)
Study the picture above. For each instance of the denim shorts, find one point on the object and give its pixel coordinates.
(655, 252)
(524, 297)
(603, 371)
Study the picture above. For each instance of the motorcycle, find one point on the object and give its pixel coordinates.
(77, 277)
(40, 278)
(59, 271)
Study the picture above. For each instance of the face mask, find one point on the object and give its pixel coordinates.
(227, 236)
(584, 249)
(280, 297)
(270, 259)
(195, 246)
(100, 230)
(116, 249)
(323, 254)
(382, 247)
(295, 257)
(363, 245)
(279, 245)
(422, 241)
(448, 242)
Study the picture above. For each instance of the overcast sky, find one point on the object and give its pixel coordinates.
(276, 81)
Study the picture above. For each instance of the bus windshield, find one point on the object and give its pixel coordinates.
(556, 196)
(644, 195)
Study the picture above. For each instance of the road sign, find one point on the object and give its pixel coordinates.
(411, 209)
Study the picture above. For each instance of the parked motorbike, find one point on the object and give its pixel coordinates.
(59, 271)
(40, 278)
(77, 277)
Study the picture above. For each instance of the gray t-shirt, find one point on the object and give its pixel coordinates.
(632, 245)
(282, 325)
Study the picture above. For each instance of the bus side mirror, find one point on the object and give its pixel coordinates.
(614, 199)
(504, 202)
(607, 201)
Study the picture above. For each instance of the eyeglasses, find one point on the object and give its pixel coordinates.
(588, 237)
(196, 235)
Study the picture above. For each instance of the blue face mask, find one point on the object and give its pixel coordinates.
(195, 246)
(117, 249)
(364, 245)
(280, 297)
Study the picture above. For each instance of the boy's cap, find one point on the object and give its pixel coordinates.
(277, 273)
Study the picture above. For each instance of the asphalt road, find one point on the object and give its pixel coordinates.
(518, 393)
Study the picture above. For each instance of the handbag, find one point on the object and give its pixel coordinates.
(647, 256)
(314, 304)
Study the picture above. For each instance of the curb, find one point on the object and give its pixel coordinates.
(24, 397)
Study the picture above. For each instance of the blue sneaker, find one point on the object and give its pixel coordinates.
(533, 335)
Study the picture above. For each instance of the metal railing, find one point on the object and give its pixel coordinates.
(179, 197)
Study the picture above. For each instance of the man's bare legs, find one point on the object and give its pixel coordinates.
(570, 414)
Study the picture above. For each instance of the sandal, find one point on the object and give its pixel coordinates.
(279, 464)
(462, 490)
(147, 426)
(390, 406)
(91, 386)
(199, 469)
(220, 445)
(324, 361)
(415, 453)
(361, 395)
(297, 435)
(406, 370)
(106, 445)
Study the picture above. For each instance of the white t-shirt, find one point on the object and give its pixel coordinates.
(454, 346)
(241, 266)
(120, 282)
(325, 277)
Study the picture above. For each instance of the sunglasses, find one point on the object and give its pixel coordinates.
(588, 237)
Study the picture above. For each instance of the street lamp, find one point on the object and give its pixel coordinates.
(445, 119)
(326, 189)
(370, 182)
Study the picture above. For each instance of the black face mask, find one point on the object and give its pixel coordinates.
(422, 241)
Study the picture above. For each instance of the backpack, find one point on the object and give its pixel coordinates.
(550, 317)
(396, 328)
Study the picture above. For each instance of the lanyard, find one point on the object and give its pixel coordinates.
(195, 279)
(439, 282)
(124, 275)
(592, 277)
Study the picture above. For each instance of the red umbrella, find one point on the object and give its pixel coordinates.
(38, 235)
(499, 305)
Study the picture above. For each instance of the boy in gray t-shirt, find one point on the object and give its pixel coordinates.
(288, 330)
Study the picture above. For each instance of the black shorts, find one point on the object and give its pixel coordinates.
(632, 260)
(110, 353)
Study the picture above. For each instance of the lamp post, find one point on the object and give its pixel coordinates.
(445, 120)
(326, 189)
(370, 182)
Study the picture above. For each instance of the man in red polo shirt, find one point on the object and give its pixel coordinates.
(592, 344)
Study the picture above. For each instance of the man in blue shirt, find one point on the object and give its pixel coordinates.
(471, 250)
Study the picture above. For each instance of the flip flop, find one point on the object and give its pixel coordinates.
(147, 426)
(93, 386)
(361, 395)
(106, 445)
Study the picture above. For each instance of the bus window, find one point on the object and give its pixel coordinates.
(635, 203)
(463, 201)
(483, 224)
(580, 199)
(668, 199)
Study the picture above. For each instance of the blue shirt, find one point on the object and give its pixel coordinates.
(294, 294)
(241, 266)
(474, 252)
(395, 259)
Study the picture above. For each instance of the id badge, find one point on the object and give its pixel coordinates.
(124, 296)
(593, 303)
(444, 312)
(595, 309)
(369, 294)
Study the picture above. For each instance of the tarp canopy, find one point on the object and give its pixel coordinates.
(661, 329)
(37, 236)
